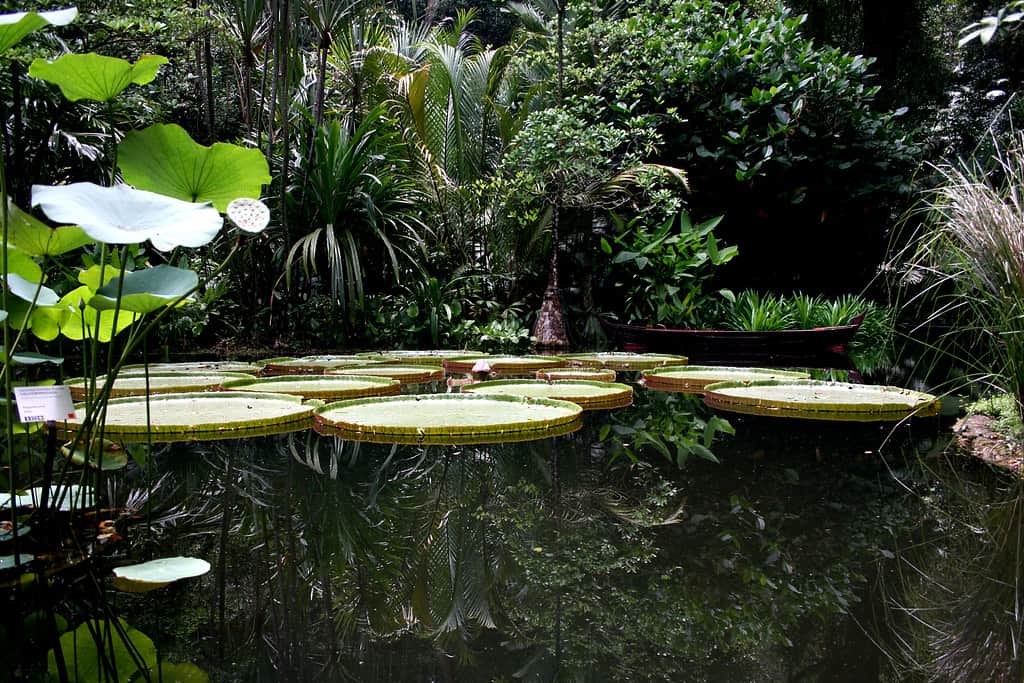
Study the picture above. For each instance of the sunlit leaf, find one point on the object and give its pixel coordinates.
(14, 27)
(31, 291)
(80, 321)
(164, 159)
(20, 263)
(36, 238)
(93, 650)
(124, 215)
(146, 290)
(95, 77)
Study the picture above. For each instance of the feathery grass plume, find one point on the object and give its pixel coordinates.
(968, 265)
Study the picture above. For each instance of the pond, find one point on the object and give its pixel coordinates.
(622, 551)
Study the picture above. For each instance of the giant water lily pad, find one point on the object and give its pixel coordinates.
(819, 400)
(592, 374)
(147, 576)
(694, 378)
(199, 366)
(449, 418)
(506, 365)
(159, 383)
(588, 395)
(418, 356)
(406, 374)
(321, 387)
(202, 416)
(311, 365)
(621, 360)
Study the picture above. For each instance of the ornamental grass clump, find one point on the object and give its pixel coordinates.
(968, 261)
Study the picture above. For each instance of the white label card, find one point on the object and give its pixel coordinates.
(41, 404)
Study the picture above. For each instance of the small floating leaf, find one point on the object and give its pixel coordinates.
(147, 576)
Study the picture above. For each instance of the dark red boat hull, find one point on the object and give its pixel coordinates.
(708, 345)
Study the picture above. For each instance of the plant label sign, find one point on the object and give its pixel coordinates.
(43, 404)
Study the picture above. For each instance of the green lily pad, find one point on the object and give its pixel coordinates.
(577, 373)
(94, 649)
(112, 456)
(147, 290)
(34, 237)
(504, 365)
(147, 576)
(418, 356)
(621, 360)
(124, 215)
(163, 158)
(159, 383)
(693, 378)
(406, 374)
(816, 400)
(95, 77)
(586, 394)
(201, 367)
(311, 365)
(449, 418)
(17, 25)
(202, 416)
(332, 388)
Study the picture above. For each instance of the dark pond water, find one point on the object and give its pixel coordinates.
(809, 551)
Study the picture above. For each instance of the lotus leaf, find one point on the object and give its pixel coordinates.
(124, 215)
(15, 26)
(78, 321)
(163, 158)
(112, 456)
(97, 647)
(19, 261)
(34, 237)
(95, 77)
(147, 290)
(29, 357)
(32, 292)
(147, 576)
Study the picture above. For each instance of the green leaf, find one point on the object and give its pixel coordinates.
(80, 321)
(605, 247)
(14, 27)
(19, 262)
(146, 290)
(30, 358)
(95, 77)
(124, 215)
(32, 292)
(88, 649)
(164, 159)
(38, 239)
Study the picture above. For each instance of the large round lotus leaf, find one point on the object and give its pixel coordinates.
(202, 366)
(406, 374)
(34, 237)
(418, 356)
(311, 365)
(818, 400)
(444, 418)
(101, 455)
(586, 394)
(98, 647)
(621, 360)
(507, 365)
(146, 290)
(95, 77)
(594, 375)
(322, 387)
(159, 383)
(695, 377)
(17, 25)
(139, 578)
(202, 416)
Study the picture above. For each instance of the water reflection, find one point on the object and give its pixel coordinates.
(591, 556)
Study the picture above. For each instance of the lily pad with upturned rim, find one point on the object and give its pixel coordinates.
(159, 383)
(406, 374)
(592, 374)
(506, 365)
(449, 418)
(204, 366)
(693, 378)
(818, 400)
(147, 576)
(311, 365)
(621, 360)
(418, 356)
(323, 387)
(584, 393)
(202, 416)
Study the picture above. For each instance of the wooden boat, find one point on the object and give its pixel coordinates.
(719, 344)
